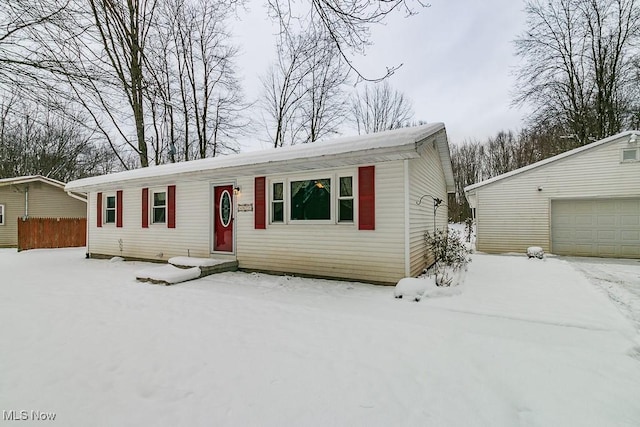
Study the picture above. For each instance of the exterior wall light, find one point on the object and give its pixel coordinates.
(236, 190)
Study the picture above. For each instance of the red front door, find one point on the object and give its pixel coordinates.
(223, 218)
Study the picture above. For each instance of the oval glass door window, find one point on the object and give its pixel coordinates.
(225, 208)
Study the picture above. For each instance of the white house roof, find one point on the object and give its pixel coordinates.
(553, 159)
(389, 145)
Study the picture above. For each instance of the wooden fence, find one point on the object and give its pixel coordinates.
(35, 233)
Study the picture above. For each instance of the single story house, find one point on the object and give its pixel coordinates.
(585, 202)
(34, 196)
(344, 208)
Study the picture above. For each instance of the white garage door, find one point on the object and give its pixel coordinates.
(598, 227)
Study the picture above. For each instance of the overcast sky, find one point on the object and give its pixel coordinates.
(457, 57)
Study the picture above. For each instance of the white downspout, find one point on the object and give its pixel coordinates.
(26, 202)
(86, 200)
(407, 222)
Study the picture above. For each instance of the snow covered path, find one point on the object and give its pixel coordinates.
(618, 278)
(526, 342)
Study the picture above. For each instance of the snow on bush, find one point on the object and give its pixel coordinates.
(535, 252)
(451, 257)
(414, 288)
(422, 287)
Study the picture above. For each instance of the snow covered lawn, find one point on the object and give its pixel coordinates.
(525, 342)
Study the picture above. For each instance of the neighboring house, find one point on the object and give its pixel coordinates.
(344, 208)
(37, 197)
(583, 202)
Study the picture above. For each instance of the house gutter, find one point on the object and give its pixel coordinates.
(75, 196)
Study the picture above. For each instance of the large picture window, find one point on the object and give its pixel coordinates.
(277, 202)
(311, 199)
(345, 199)
(2, 214)
(159, 207)
(110, 210)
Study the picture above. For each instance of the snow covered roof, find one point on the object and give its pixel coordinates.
(31, 178)
(389, 145)
(551, 160)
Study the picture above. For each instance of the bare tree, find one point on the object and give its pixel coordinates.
(304, 95)
(215, 90)
(466, 162)
(379, 107)
(346, 23)
(42, 140)
(19, 53)
(283, 90)
(192, 63)
(324, 102)
(123, 29)
(577, 69)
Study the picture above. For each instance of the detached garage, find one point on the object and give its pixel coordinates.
(585, 202)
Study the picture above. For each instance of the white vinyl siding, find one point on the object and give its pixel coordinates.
(333, 250)
(426, 177)
(512, 214)
(190, 237)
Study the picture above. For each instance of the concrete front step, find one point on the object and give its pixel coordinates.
(182, 269)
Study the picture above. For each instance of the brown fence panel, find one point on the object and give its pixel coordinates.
(35, 233)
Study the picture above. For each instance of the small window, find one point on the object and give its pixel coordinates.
(1, 214)
(311, 199)
(159, 207)
(110, 210)
(345, 199)
(277, 202)
(630, 155)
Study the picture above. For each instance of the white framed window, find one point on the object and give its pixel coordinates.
(277, 202)
(2, 214)
(310, 199)
(110, 209)
(159, 207)
(345, 199)
(629, 155)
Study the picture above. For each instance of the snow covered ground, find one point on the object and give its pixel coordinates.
(524, 342)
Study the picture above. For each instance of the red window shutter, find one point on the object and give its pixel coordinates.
(171, 206)
(119, 208)
(367, 198)
(260, 211)
(145, 208)
(99, 210)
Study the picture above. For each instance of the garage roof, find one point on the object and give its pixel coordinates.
(552, 159)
